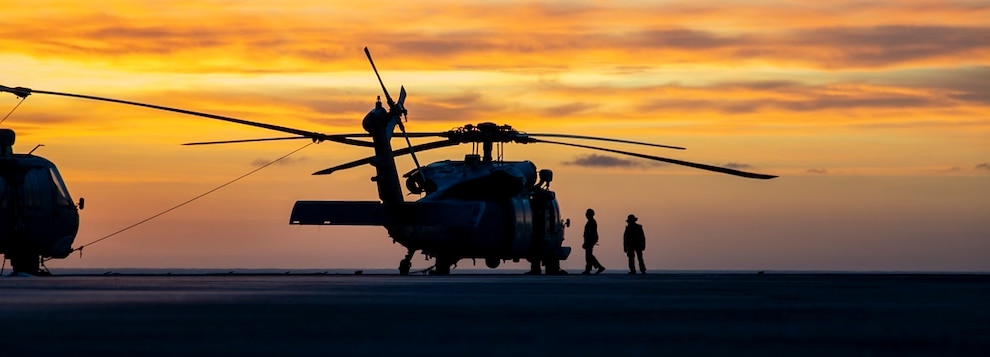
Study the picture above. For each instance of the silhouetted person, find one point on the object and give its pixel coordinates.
(590, 240)
(634, 243)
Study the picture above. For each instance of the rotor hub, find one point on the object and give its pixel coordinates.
(485, 133)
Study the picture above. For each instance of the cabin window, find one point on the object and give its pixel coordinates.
(552, 213)
(34, 188)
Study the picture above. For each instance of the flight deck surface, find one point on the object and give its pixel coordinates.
(503, 315)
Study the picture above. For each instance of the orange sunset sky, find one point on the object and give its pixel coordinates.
(875, 114)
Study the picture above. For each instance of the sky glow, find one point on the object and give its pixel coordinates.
(876, 115)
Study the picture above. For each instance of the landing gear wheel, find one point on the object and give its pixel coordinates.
(552, 265)
(534, 267)
(442, 266)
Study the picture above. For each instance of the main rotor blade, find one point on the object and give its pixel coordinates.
(183, 111)
(663, 159)
(604, 139)
(245, 140)
(341, 138)
(335, 138)
(426, 134)
(405, 151)
(20, 91)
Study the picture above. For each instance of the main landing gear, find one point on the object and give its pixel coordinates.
(406, 263)
(28, 264)
(551, 263)
(441, 266)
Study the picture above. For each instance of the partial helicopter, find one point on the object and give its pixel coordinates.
(38, 219)
(481, 207)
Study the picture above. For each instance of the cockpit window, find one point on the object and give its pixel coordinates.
(62, 194)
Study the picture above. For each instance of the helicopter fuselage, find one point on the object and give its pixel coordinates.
(470, 209)
(518, 219)
(37, 215)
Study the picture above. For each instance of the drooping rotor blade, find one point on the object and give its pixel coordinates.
(22, 92)
(426, 135)
(405, 151)
(604, 139)
(245, 140)
(663, 159)
(335, 138)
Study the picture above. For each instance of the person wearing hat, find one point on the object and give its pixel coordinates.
(634, 243)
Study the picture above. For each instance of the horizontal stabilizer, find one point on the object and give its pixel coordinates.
(373, 213)
(348, 213)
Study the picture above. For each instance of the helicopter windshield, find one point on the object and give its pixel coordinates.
(42, 187)
(62, 198)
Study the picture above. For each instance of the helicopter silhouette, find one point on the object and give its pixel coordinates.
(38, 218)
(481, 207)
